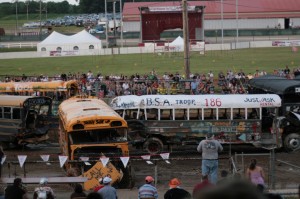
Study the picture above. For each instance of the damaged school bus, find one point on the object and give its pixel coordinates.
(90, 129)
(24, 119)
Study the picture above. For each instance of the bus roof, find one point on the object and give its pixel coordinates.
(196, 101)
(13, 100)
(75, 110)
(18, 101)
(32, 86)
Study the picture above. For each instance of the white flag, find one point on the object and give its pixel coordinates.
(124, 161)
(147, 157)
(3, 159)
(85, 160)
(45, 158)
(165, 156)
(22, 159)
(62, 160)
(104, 160)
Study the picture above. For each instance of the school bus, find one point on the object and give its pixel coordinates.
(158, 120)
(89, 128)
(57, 90)
(24, 119)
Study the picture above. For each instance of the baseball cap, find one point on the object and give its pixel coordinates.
(174, 183)
(107, 180)
(149, 179)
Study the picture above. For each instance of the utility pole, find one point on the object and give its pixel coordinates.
(27, 4)
(185, 29)
(17, 23)
(40, 19)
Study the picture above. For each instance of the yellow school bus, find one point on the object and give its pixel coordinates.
(89, 128)
(57, 90)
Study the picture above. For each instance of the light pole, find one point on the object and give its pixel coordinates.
(27, 4)
(17, 23)
(121, 22)
(185, 28)
(222, 32)
(237, 21)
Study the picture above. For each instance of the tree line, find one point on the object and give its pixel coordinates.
(85, 6)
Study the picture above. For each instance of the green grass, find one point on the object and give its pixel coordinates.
(248, 60)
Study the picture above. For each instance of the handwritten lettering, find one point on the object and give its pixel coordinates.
(262, 100)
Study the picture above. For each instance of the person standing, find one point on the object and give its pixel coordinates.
(43, 191)
(16, 191)
(78, 192)
(210, 149)
(148, 190)
(176, 192)
(255, 173)
(1, 157)
(108, 192)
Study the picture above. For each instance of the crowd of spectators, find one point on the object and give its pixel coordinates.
(152, 83)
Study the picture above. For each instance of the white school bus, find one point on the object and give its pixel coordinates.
(158, 120)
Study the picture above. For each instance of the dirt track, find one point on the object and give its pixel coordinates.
(185, 166)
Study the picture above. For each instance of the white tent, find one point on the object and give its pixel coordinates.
(79, 43)
(178, 44)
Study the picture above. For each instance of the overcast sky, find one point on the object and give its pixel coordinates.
(70, 1)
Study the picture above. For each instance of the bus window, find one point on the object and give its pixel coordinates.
(224, 113)
(166, 114)
(1, 112)
(180, 114)
(210, 113)
(152, 114)
(16, 113)
(238, 113)
(7, 112)
(195, 114)
(253, 113)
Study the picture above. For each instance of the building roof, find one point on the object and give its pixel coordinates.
(246, 8)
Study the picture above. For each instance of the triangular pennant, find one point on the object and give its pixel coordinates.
(104, 160)
(3, 159)
(22, 159)
(124, 161)
(165, 156)
(62, 160)
(85, 160)
(149, 162)
(45, 158)
(145, 157)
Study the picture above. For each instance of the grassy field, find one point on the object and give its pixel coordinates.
(248, 60)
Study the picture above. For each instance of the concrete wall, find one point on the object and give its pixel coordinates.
(138, 50)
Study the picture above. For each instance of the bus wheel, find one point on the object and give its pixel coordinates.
(153, 145)
(292, 142)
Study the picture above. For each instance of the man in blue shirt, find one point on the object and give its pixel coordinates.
(148, 190)
(108, 192)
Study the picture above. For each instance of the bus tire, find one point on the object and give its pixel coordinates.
(292, 142)
(153, 145)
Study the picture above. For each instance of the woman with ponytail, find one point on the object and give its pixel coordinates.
(255, 173)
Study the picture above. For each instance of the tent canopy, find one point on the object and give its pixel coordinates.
(80, 41)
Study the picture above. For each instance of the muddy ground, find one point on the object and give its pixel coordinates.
(184, 165)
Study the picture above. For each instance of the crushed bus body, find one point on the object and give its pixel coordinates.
(158, 120)
(24, 119)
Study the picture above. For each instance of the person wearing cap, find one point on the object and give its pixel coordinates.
(108, 192)
(210, 149)
(43, 191)
(100, 186)
(148, 191)
(175, 191)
